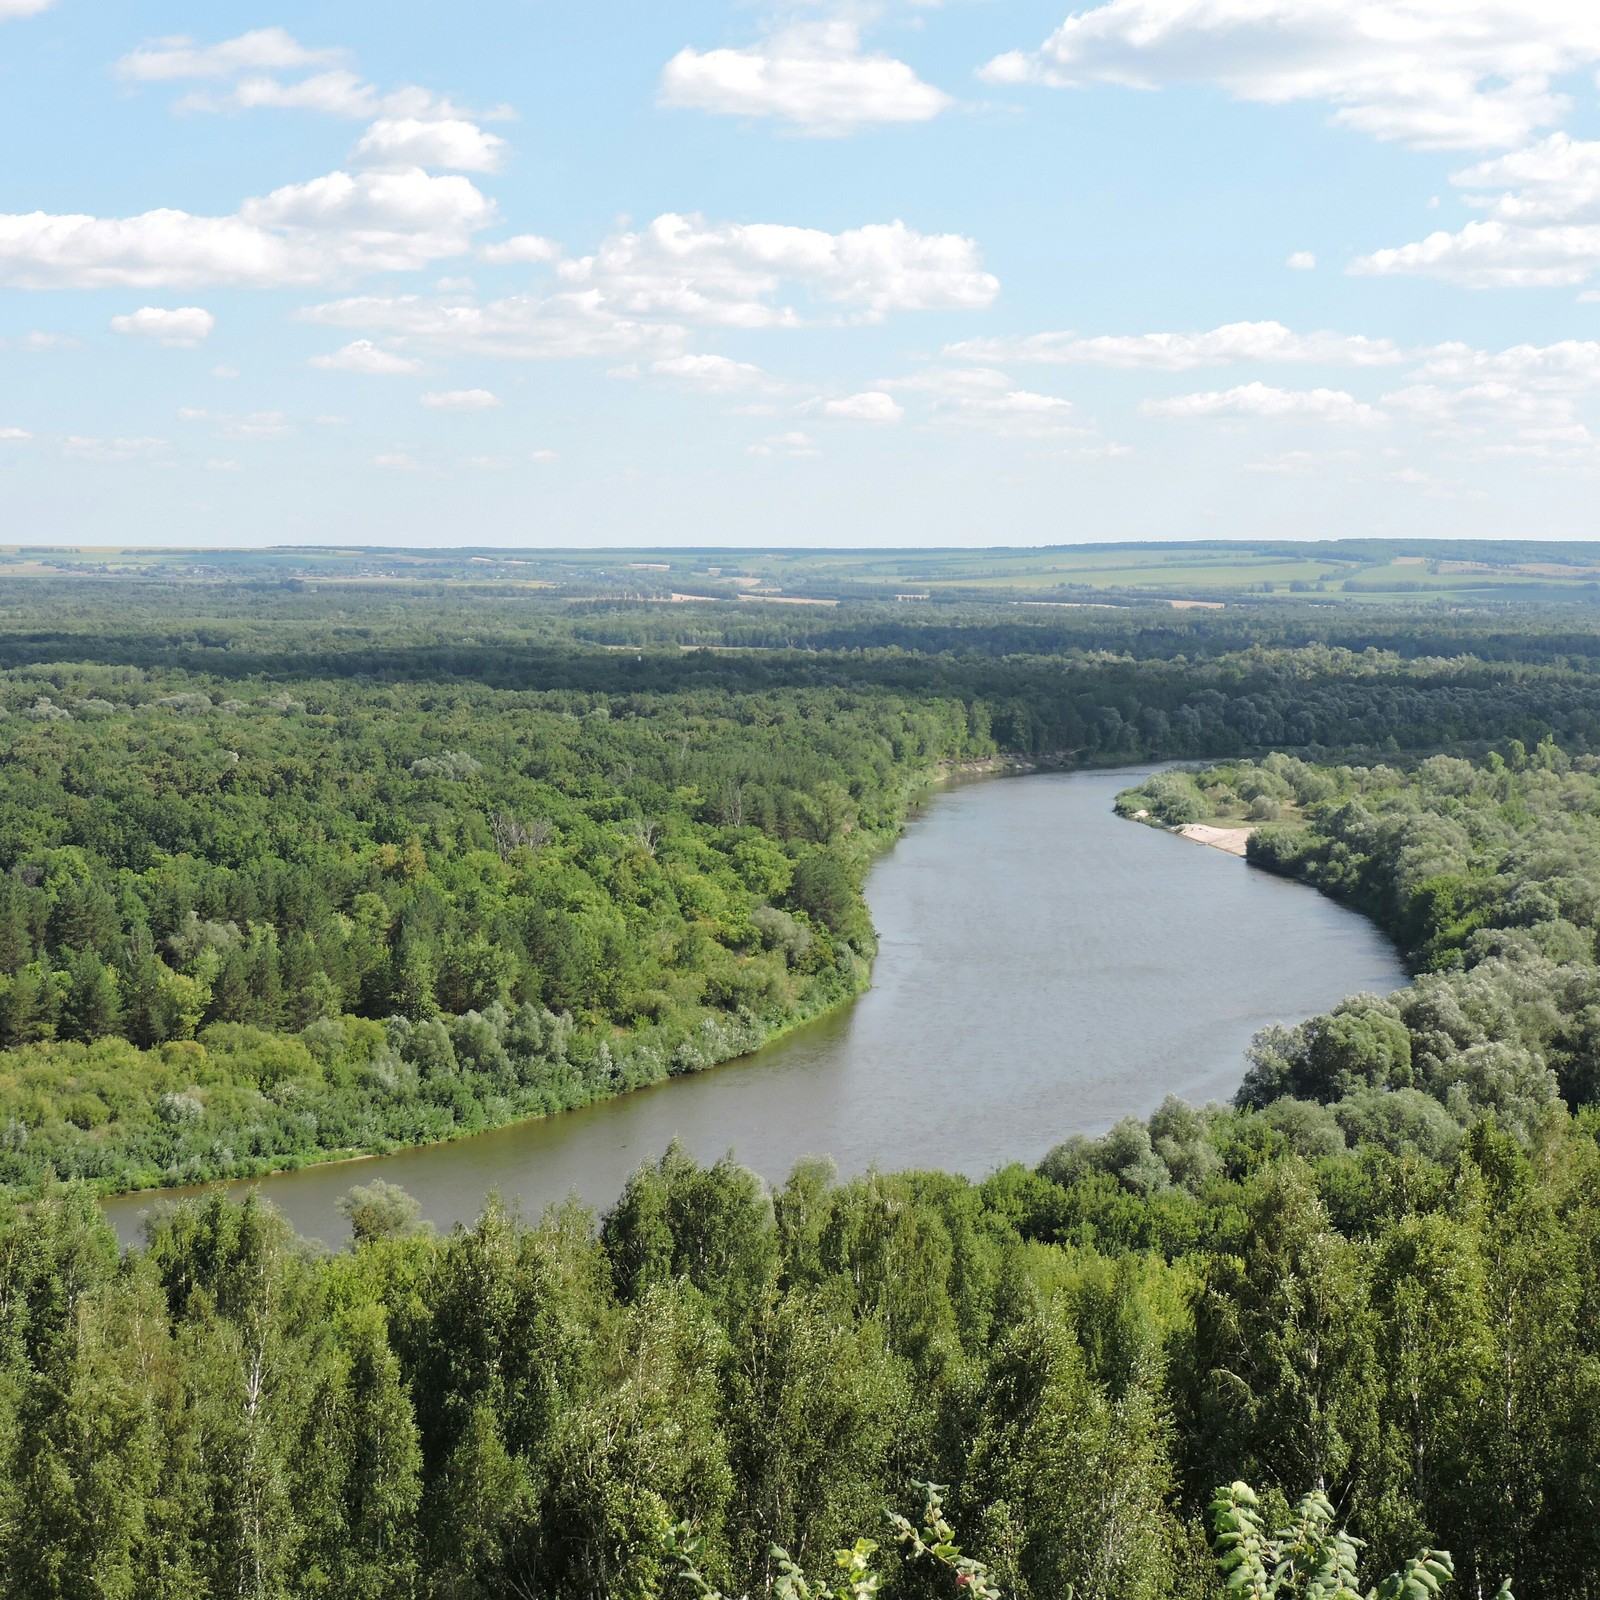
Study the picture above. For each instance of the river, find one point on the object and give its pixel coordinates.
(1045, 968)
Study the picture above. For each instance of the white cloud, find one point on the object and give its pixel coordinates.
(459, 400)
(228, 425)
(709, 374)
(397, 461)
(1176, 352)
(1432, 487)
(1490, 407)
(1543, 228)
(87, 449)
(362, 355)
(713, 374)
(1521, 401)
(543, 457)
(1569, 364)
(416, 127)
(401, 142)
(984, 400)
(183, 326)
(1260, 400)
(522, 327)
(730, 274)
(217, 464)
(13, 435)
(784, 444)
(813, 76)
(1301, 261)
(339, 93)
(23, 8)
(1109, 451)
(871, 406)
(525, 247)
(1494, 255)
(1446, 74)
(332, 227)
(1556, 180)
(1297, 463)
(163, 60)
(640, 290)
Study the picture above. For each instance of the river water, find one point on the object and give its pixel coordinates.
(1045, 968)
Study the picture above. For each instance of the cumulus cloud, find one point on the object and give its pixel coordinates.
(339, 93)
(397, 461)
(1505, 418)
(522, 327)
(169, 59)
(1494, 255)
(90, 449)
(525, 247)
(340, 225)
(641, 291)
(229, 425)
(414, 126)
(814, 77)
(709, 374)
(1301, 261)
(1555, 180)
(731, 273)
(181, 326)
(871, 406)
(23, 8)
(362, 355)
(459, 400)
(14, 435)
(784, 444)
(1332, 406)
(1175, 352)
(1444, 74)
(450, 143)
(984, 400)
(543, 457)
(1297, 463)
(1543, 228)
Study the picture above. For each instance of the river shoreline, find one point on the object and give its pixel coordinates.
(926, 783)
(1033, 980)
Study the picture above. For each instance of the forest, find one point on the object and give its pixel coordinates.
(290, 874)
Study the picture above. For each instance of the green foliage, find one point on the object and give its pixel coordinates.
(242, 931)
(1310, 1557)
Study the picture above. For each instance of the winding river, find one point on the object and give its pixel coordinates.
(1045, 969)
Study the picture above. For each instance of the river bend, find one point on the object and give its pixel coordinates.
(1044, 969)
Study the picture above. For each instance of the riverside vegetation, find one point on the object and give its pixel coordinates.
(232, 930)
(285, 876)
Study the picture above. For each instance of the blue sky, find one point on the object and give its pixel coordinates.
(963, 272)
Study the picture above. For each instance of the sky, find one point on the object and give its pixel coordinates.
(913, 273)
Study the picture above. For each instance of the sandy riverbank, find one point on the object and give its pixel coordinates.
(1233, 840)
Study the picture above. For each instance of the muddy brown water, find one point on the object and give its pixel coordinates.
(1045, 968)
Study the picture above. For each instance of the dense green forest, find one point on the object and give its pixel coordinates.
(1488, 876)
(291, 872)
(286, 872)
(1082, 1354)
(234, 931)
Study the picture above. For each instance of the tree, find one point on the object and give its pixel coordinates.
(379, 1210)
(1310, 1557)
(90, 1009)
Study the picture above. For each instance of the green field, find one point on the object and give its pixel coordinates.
(1226, 571)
